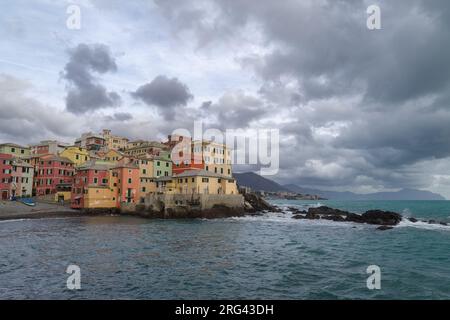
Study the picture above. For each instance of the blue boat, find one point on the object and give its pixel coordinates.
(27, 201)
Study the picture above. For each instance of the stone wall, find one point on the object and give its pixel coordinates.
(164, 202)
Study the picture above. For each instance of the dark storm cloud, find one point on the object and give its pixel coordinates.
(164, 93)
(389, 88)
(84, 92)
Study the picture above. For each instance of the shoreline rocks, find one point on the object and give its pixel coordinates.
(385, 220)
(375, 217)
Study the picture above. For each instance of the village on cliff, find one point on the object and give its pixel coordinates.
(102, 171)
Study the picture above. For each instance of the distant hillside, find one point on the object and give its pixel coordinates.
(404, 194)
(257, 183)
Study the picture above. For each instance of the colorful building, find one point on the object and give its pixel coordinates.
(145, 148)
(114, 142)
(48, 147)
(162, 165)
(14, 150)
(204, 182)
(16, 177)
(91, 141)
(147, 183)
(78, 155)
(5, 176)
(93, 187)
(204, 155)
(128, 181)
(21, 178)
(53, 171)
(113, 156)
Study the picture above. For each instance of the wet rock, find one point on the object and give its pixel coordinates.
(326, 211)
(384, 228)
(432, 222)
(257, 203)
(413, 220)
(443, 223)
(377, 217)
(334, 218)
(299, 216)
(381, 217)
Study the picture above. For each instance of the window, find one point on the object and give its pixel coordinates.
(167, 164)
(144, 171)
(158, 163)
(205, 179)
(105, 181)
(13, 149)
(129, 180)
(22, 151)
(193, 179)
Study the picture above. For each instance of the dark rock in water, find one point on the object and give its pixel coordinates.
(432, 222)
(296, 210)
(353, 217)
(326, 211)
(443, 223)
(383, 228)
(413, 220)
(379, 217)
(334, 218)
(257, 203)
(299, 216)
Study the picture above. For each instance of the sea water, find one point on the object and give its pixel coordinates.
(271, 256)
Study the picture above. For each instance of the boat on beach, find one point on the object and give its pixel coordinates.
(27, 201)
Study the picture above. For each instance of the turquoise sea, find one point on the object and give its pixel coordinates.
(271, 256)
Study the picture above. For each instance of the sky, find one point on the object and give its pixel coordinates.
(357, 109)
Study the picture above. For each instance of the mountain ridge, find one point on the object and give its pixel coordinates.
(259, 183)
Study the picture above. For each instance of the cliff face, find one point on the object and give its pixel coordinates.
(254, 203)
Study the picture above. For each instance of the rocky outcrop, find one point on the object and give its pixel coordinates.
(376, 217)
(384, 219)
(254, 203)
(217, 211)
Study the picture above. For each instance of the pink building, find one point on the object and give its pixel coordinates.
(52, 171)
(5, 176)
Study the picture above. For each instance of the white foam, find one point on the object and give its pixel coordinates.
(422, 225)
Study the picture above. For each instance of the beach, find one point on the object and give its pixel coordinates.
(16, 210)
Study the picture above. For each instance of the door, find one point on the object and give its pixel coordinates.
(4, 195)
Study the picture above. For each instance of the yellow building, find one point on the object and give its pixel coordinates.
(114, 142)
(99, 197)
(14, 150)
(203, 182)
(141, 148)
(77, 155)
(216, 157)
(113, 156)
(147, 183)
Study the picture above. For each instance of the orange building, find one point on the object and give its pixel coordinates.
(128, 183)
